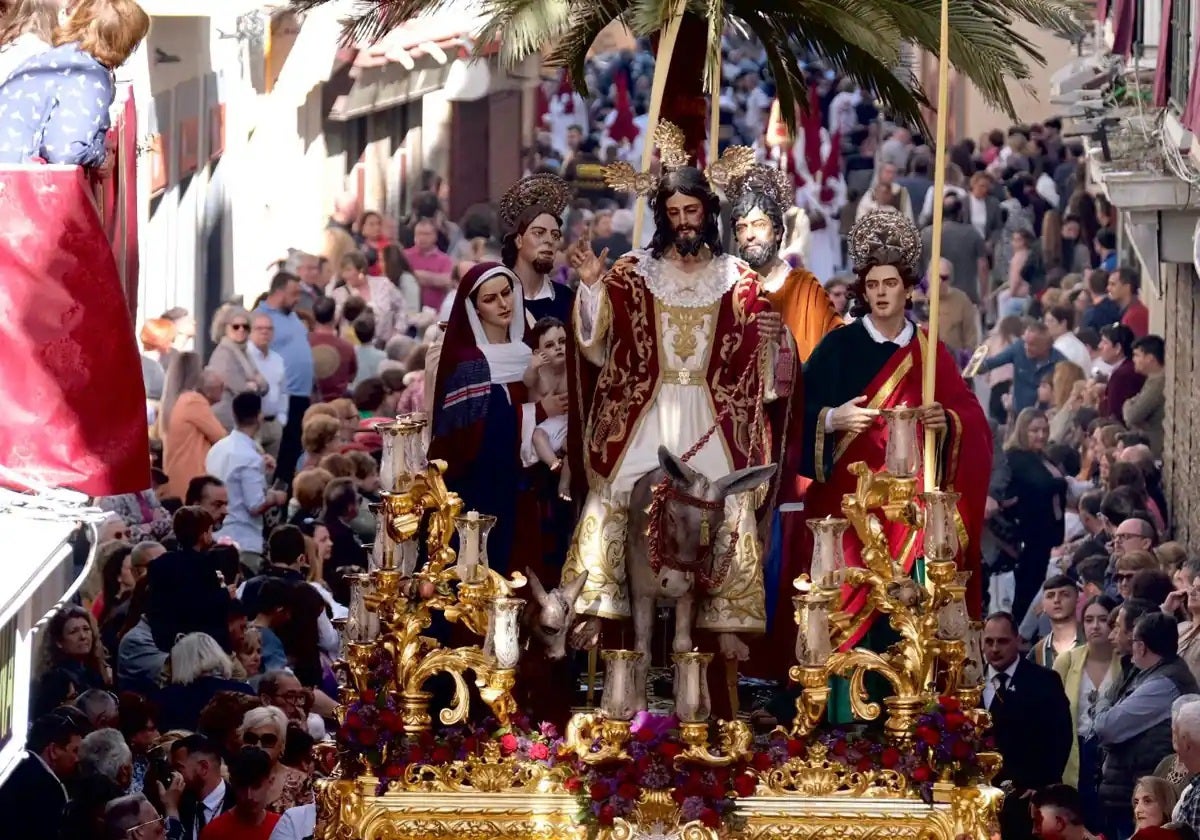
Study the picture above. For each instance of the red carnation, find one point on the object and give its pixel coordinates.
(889, 758)
(354, 720)
(745, 785)
(393, 771)
(469, 745)
(508, 744)
(960, 750)
(795, 748)
(955, 721)
(572, 784)
(607, 815)
(628, 791)
(390, 720)
(864, 765)
(929, 736)
(710, 818)
(645, 735)
(669, 749)
(949, 704)
(442, 755)
(368, 696)
(599, 791)
(922, 774)
(416, 755)
(840, 747)
(763, 762)
(368, 735)
(539, 751)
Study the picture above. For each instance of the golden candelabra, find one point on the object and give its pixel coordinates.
(391, 607)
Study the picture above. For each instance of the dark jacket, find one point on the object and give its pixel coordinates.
(1130, 759)
(32, 801)
(180, 705)
(187, 596)
(189, 805)
(1032, 728)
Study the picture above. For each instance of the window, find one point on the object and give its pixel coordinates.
(1181, 53)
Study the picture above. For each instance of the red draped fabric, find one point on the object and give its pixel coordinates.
(965, 470)
(1191, 114)
(75, 407)
(117, 190)
(1101, 10)
(1124, 16)
(1162, 86)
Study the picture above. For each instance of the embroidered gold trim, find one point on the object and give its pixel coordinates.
(881, 396)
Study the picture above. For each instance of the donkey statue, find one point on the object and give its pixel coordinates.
(671, 547)
(546, 682)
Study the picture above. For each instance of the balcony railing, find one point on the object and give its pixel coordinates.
(1181, 53)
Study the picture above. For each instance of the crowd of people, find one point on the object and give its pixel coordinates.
(185, 693)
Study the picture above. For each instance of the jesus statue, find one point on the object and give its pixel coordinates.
(677, 347)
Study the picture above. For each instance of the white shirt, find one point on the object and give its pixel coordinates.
(270, 365)
(213, 802)
(989, 687)
(296, 823)
(978, 214)
(236, 460)
(1075, 351)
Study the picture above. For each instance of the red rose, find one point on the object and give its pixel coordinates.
(745, 785)
(949, 704)
(710, 818)
(390, 720)
(763, 762)
(469, 745)
(441, 755)
(889, 758)
(840, 747)
(354, 720)
(669, 749)
(715, 791)
(393, 771)
(599, 791)
(955, 721)
(607, 815)
(960, 750)
(416, 755)
(929, 736)
(367, 735)
(368, 696)
(539, 751)
(508, 744)
(795, 748)
(864, 765)
(678, 794)
(922, 774)
(645, 735)
(572, 784)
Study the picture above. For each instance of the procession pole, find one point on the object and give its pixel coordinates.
(662, 68)
(929, 374)
(714, 117)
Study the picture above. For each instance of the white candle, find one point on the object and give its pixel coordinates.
(468, 557)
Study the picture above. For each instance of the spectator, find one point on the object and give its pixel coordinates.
(272, 612)
(1116, 350)
(963, 247)
(210, 495)
(133, 818)
(206, 795)
(431, 265)
(100, 708)
(186, 593)
(270, 367)
(1103, 310)
(367, 354)
(341, 506)
(384, 301)
(34, 794)
(1133, 724)
(1031, 721)
(1123, 287)
(1144, 411)
(1185, 736)
(334, 361)
(266, 728)
(1153, 800)
(290, 342)
(1060, 596)
(249, 776)
(239, 463)
(1032, 359)
(189, 426)
(105, 753)
(1060, 321)
(199, 670)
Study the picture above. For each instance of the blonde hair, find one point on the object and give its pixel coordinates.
(198, 655)
(338, 465)
(1172, 555)
(108, 30)
(309, 488)
(344, 408)
(1018, 438)
(318, 410)
(1162, 791)
(265, 716)
(1137, 561)
(1066, 374)
(317, 433)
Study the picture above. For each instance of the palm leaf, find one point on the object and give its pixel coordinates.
(860, 38)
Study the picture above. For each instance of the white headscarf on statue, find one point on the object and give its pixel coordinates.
(509, 361)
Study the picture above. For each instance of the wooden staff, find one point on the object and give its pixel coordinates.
(929, 374)
(714, 117)
(662, 67)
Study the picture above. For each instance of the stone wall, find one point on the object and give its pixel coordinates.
(1182, 421)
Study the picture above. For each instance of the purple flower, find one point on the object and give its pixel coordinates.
(548, 729)
(691, 808)
(658, 725)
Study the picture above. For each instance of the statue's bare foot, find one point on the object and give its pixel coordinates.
(585, 635)
(732, 647)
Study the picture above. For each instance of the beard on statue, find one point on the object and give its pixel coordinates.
(759, 255)
(686, 214)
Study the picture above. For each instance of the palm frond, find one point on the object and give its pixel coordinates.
(587, 21)
(523, 27)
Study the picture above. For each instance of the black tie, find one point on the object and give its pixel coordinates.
(200, 820)
(1001, 687)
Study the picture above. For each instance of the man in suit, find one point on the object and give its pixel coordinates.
(33, 797)
(206, 795)
(1031, 722)
(186, 593)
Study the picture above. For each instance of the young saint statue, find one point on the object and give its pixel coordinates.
(876, 363)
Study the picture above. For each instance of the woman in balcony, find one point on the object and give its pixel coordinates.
(68, 119)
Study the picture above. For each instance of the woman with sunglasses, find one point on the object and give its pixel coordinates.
(266, 728)
(231, 331)
(1087, 671)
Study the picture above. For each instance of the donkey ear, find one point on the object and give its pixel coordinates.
(535, 586)
(743, 481)
(572, 590)
(675, 469)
